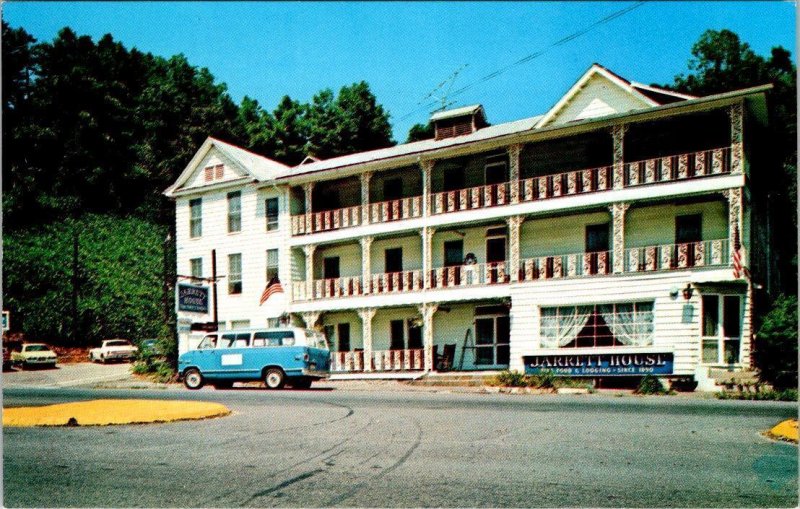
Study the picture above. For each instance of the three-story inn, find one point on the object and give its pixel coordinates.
(611, 235)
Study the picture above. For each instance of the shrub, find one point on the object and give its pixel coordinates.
(510, 379)
(760, 395)
(650, 385)
(775, 349)
(545, 380)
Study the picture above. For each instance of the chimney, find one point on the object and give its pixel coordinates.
(458, 122)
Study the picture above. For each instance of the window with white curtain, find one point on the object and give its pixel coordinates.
(597, 325)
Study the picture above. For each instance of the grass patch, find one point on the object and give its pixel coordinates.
(760, 394)
(545, 380)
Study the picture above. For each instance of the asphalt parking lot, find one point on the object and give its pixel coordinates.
(67, 375)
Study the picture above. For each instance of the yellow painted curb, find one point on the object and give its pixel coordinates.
(787, 430)
(102, 412)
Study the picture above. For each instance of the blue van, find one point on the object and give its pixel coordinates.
(289, 355)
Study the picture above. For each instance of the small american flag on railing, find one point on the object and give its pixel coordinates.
(273, 287)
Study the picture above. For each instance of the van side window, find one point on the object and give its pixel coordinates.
(273, 338)
(257, 341)
(226, 340)
(242, 340)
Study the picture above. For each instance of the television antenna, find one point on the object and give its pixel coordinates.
(440, 93)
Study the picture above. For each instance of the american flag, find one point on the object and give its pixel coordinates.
(738, 270)
(273, 287)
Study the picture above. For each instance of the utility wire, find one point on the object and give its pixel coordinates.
(528, 58)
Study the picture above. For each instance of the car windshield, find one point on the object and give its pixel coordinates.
(118, 343)
(36, 348)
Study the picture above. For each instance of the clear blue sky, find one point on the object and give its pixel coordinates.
(403, 50)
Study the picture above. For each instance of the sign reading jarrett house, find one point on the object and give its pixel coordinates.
(616, 233)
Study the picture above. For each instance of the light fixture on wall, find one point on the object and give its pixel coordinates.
(688, 291)
(674, 291)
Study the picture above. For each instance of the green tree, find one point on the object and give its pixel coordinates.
(364, 124)
(775, 352)
(419, 132)
(289, 131)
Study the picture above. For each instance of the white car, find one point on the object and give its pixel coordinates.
(113, 350)
(34, 354)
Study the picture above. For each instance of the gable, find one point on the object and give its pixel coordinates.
(598, 97)
(220, 167)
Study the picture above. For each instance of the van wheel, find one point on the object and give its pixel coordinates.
(192, 379)
(274, 378)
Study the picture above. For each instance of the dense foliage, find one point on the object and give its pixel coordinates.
(775, 349)
(112, 288)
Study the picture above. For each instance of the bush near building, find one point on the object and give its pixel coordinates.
(775, 352)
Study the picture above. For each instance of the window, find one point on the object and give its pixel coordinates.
(196, 217)
(241, 340)
(214, 172)
(496, 170)
(234, 212)
(721, 338)
(240, 324)
(393, 260)
(272, 264)
(597, 325)
(453, 179)
(235, 273)
(274, 338)
(330, 267)
(392, 189)
(453, 253)
(197, 267)
(271, 206)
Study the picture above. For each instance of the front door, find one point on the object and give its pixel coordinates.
(453, 257)
(492, 336)
(496, 254)
(343, 337)
(393, 260)
(330, 267)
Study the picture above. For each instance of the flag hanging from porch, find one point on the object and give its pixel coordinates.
(273, 287)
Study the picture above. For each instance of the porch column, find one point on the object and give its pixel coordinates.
(308, 189)
(618, 235)
(513, 171)
(310, 318)
(309, 250)
(735, 222)
(736, 114)
(427, 255)
(514, 223)
(366, 315)
(618, 139)
(427, 169)
(427, 311)
(366, 263)
(365, 180)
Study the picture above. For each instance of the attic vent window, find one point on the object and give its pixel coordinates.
(458, 122)
(214, 172)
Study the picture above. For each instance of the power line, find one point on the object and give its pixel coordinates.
(536, 54)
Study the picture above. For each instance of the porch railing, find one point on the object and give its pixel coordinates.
(566, 184)
(326, 220)
(569, 265)
(337, 287)
(678, 167)
(393, 282)
(379, 360)
(392, 210)
(471, 198)
(677, 256)
(470, 275)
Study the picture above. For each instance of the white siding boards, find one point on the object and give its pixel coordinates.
(451, 266)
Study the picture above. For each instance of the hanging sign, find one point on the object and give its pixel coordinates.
(192, 298)
(615, 364)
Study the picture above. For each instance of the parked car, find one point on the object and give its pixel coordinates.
(289, 355)
(34, 354)
(113, 350)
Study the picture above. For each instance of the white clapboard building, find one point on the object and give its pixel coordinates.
(611, 235)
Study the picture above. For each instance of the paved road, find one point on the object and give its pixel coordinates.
(66, 375)
(378, 448)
